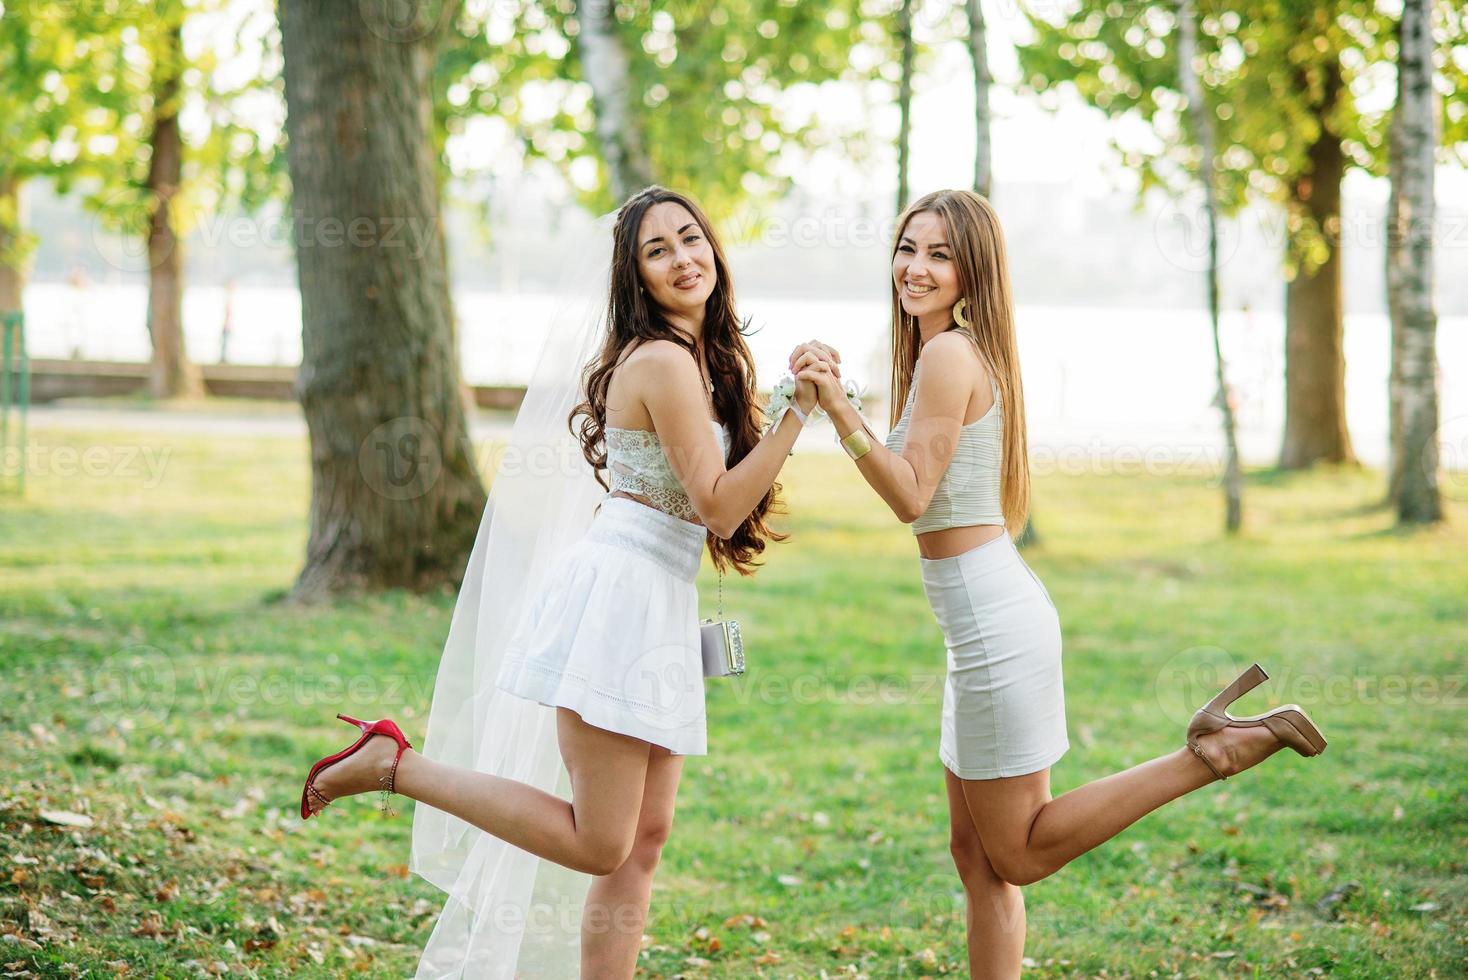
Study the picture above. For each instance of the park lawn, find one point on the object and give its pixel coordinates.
(154, 683)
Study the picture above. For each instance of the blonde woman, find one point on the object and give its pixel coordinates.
(955, 467)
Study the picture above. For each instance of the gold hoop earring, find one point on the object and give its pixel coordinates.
(958, 314)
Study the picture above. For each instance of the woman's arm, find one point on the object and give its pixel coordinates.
(907, 482)
(669, 384)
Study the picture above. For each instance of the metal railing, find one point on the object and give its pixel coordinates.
(15, 397)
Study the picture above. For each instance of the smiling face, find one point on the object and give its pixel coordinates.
(675, 260)
(923, 270)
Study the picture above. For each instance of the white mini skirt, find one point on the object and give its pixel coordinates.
(1003, 701)
(614, 636)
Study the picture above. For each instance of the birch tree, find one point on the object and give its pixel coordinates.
(908, 53)
(1202, 123)
(983, 80)
(1409, 274)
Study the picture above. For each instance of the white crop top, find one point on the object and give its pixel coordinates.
(968, 493)
(637, 464)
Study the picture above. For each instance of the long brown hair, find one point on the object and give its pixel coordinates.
(983, 281)
(633, 320)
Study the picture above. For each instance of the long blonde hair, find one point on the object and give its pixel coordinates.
(983, 281)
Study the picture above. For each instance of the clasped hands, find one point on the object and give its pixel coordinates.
(817, 370)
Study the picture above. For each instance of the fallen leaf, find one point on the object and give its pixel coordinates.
(65, 818)
(151, 927)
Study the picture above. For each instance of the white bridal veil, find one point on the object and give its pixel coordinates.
(508, 913)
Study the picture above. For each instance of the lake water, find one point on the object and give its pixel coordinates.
(1100, 384)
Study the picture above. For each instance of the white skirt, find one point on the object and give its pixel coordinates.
(1003, 702)
(614, 636)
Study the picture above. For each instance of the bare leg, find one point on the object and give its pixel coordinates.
(616, 906)
(1029, 836)
(996, 909)
(593, 833)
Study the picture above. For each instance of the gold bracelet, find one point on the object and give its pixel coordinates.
(857, 444)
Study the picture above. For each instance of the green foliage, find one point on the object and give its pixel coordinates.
(78, 87)
(1450, 26)
(60, 97)
(1274, 72)
(61, 103)
(224, 91)
(707, 79)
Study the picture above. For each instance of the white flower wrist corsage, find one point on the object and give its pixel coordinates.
(782, 399)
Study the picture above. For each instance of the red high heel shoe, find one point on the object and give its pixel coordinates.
(369, 728)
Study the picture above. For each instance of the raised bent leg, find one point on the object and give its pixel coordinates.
(616, 906)
(593, 833)
(1029, 836)
(995, 908)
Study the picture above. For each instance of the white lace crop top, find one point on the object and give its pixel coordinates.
(636, 464)
(968, 493)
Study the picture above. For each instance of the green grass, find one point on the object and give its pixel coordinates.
(152, 681)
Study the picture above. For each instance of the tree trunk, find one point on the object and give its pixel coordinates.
(1409, 279)
(395, 496)
(12, 262)
(904, 99)
(1315, 363)
(1394, 378)
(983, 145)
(1192, 87)
(604, 62)
(173, 375)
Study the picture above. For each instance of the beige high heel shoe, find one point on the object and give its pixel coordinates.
(1288, 723)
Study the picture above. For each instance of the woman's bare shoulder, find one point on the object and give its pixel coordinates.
(953, 355)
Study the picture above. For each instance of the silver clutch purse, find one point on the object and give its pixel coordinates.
(723, 647)
(721, 642)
